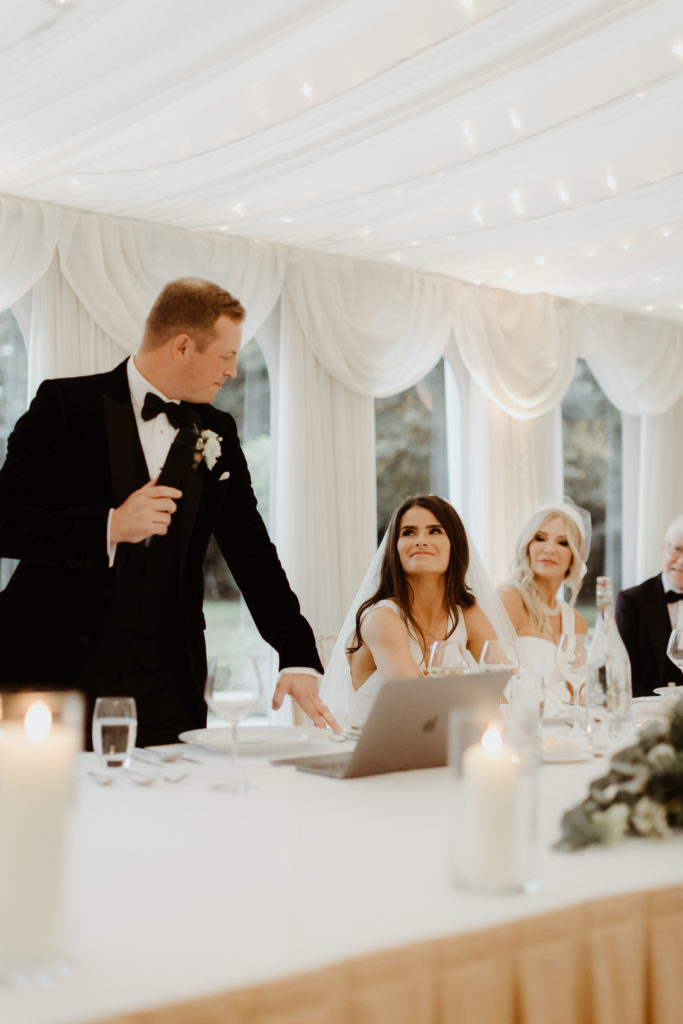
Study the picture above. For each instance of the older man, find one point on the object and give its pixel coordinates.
(646, 614)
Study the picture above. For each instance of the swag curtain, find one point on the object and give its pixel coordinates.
(638, 362)
(350, 331)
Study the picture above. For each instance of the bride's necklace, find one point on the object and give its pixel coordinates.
(439, 635)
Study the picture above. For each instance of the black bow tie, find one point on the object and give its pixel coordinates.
(176, 414)
(672, 596)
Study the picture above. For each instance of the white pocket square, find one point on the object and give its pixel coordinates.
(223, 476)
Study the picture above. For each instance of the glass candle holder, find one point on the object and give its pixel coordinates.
(40, 734)
(494, 803)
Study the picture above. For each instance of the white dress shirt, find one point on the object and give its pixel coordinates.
(675, 609)
(156, 435)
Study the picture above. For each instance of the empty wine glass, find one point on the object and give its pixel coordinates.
(571, 655)
(446, 657)
(232, 690)
(496, 655)
(674, 648)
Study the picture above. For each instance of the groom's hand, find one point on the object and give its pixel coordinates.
(144, 513)
(304, 689)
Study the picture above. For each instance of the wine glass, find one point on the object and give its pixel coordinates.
(446, 657)
(114, 728)
(496, 655)
(571, 655)
(232, 690)
(674, 648)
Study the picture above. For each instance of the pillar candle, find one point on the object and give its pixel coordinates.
(36, 763)
(491, 833)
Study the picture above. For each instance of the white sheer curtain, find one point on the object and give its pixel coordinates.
(513, 364)
(62, 338)
(653, 489)
(117, 268)
(28, 236)
(350, 331)
(638, 362)
(507, 466)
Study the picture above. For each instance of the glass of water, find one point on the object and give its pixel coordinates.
(114, 728)
(232, 690)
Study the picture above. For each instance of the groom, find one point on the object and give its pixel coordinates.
(107, 596)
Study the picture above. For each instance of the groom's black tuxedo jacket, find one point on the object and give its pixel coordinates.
(70, 459)
(643, 619)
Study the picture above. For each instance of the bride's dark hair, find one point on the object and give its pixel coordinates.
(393, 582)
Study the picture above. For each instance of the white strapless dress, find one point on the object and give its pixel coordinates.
(538, 655)
(363, 698)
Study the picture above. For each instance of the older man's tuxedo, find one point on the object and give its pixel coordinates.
(66, 617)
(643, 619)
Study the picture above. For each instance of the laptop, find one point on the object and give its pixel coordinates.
(407, 726)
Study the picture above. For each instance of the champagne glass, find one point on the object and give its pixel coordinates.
(446, 657)
(674, 648)
(114, 728)
(232, 691)
(571, 656)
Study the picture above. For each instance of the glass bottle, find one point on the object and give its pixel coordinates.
(608, 675)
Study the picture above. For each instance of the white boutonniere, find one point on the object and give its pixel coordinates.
(207, 448)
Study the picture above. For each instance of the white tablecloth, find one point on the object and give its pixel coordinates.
(178, 890)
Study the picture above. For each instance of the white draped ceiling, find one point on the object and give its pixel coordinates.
(529, 145)
(381, 183)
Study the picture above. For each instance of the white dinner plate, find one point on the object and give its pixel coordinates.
(564, 752)
(251, 739)
(667, 691)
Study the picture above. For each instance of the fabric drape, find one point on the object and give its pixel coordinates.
(81, 285)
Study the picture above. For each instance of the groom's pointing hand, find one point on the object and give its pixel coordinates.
(144, 513)
(304, 690)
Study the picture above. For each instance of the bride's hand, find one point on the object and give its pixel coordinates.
(303, 689)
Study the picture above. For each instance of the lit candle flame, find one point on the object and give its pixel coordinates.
(492, 741)
(37, 720)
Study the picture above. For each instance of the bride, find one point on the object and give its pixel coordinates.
(418, 590)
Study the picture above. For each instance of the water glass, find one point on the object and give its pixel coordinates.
(527, 702)
(446, 657)
(114, 728)
(493, 806)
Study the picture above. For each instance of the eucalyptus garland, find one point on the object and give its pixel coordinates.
(641, 794)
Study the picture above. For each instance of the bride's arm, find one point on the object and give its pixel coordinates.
(479, 630)
(385, 637)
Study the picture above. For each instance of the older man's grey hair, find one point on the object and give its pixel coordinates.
(675, 530)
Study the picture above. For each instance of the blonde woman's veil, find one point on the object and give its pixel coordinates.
(336, 689)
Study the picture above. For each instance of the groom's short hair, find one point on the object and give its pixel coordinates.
(191, 306)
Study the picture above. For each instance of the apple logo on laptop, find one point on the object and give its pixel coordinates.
(429, 725)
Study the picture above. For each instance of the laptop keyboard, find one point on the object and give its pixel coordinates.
(334, 766)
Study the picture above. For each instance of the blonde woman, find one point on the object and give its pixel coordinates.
(550, 559)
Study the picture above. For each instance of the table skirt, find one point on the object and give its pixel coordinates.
(617, 960)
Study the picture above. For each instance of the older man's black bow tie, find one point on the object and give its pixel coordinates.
(672, 596)
(176, 413)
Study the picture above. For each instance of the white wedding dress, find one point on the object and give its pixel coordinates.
(538, 655)
(362, 699)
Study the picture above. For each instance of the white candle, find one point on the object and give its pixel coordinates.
(491, 832)
(36, 761)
